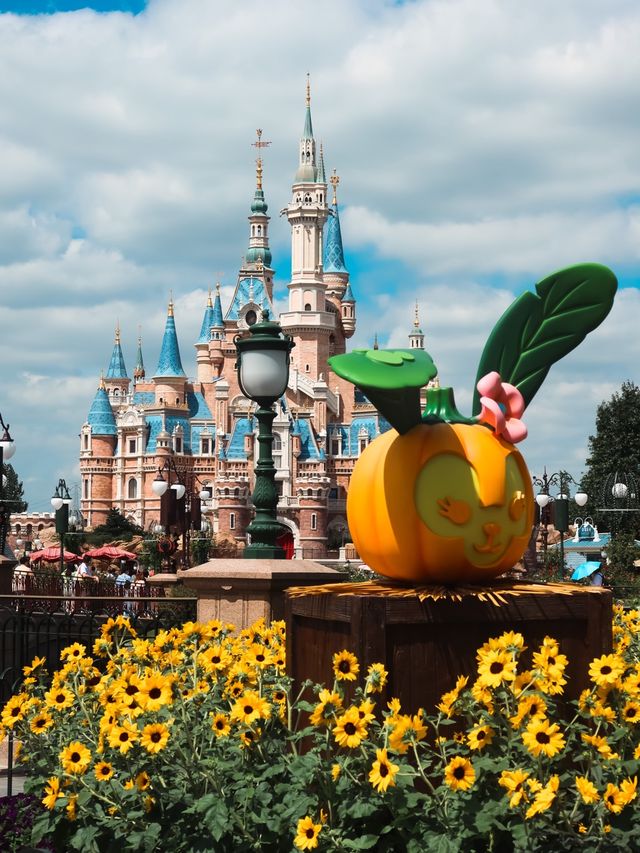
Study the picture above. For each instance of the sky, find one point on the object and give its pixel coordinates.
(480, 144)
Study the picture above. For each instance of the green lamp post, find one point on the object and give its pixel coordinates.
(263, 374)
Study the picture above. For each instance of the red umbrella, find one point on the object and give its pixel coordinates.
(52, 555)
(111, 552)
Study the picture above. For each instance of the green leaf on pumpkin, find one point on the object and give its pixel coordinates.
(536, 331)
(391, 379)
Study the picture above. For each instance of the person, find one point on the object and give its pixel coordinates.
(597, 578)
(123, 587)
(138, 589)
(85, 569)
(21, 575)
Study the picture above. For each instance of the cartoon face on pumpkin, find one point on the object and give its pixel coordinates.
(454, 502)
(444, 503)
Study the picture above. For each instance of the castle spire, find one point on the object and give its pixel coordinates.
(217, 320)
(169, 363)
(416, 335)
(101, 417)
(307, 133)
(138, 371)
(258, 228)
(307, 168)
(116, 369)
(333, 261)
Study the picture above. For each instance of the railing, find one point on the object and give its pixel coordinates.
(37, 625)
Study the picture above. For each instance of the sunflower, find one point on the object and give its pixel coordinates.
(541, 736)
(631, 712)
(307, 834)
(350, 730)
(601, 744)
(41, 722)
(405, 730)
(58, 697)
(335, 771)
(52, 793)
(383, 773)
(77, 650)
(325, 711)
(511, 641)
(345, 666)
(606, 670)
(544, 797)
(72, 807)
(143, 781)
(613, 798)
(15, 710)
(587, 790)
(248, 738)
(103, 771)
(154, 737)
(495, 667)
(36, 664)
(377, 677)
(479, 737)
(155, 691)
(459, 774)
(259, 655)
(513, 782)
(220, 725)
(214, 659)
(528, 706)
(75, 758)
(123, 737)
(250, 707)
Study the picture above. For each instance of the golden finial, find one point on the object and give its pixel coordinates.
(334, 180)
(209, 302)
(117, 331)
(416, 318)
(170, 309)
(217, 288)
(102, 386)
(308, 90)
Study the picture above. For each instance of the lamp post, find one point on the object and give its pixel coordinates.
(263, 374)
(189, 510)
(7, 449)
(561, 505)
(60, 502)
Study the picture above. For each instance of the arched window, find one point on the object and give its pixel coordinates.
(307, 306)
(132, 489)
(259, 230)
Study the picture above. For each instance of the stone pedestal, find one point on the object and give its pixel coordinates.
(241, 591)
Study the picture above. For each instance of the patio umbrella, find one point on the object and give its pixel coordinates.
(110, 552)
(584, 570)
(52, 555)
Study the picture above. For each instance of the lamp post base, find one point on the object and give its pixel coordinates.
(259, 551)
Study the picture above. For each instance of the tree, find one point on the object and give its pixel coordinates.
(621, 574)
(614, 447)
(116, 526)
(13, 492)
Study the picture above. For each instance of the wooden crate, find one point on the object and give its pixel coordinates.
(426, 644)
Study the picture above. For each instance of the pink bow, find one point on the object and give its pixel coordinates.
(502, 407)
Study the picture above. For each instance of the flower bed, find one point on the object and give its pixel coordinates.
(192, 741)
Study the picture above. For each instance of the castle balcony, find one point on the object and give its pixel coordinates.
(288, 502)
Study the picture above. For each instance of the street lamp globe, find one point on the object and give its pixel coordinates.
(159, 486)
(7, 444)
(619, 490)
(581, 498)
(56, 502)
(543, 500)
(263, 361)
(179, 489)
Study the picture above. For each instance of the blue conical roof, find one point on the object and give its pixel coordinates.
(116, 369)
(348, 295)
(333, 252)
(101, 418)
(139, 369)
(217, 321)
(207, 322)
(169, 363)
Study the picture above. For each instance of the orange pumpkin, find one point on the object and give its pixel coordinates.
(444, 503)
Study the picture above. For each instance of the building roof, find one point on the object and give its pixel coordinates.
(217, 321)
(249, 289)
(348, 296)
(241, 427)
(197, 406)
(101, 417)
(169, 363)
(333, 252)
(207, 322)
(116, 369)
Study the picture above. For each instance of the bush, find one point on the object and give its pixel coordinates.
(192, 741)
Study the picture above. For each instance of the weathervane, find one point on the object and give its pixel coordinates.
(259, 144)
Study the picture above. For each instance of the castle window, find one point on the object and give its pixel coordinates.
(177, 401)
(132, 445)
(307, 306)
(232, 521)
(178, 444)
(336, 446)
(307, 369)
(85, 486)
(18, 529)
(250, 317)
(204, 446)
(29, 530)
(85, 438)
(314, 521)
(236, 493)
(362, 444)
(259, 230)
(132, 489)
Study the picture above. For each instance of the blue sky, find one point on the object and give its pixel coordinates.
(481, 144)
(49, 7)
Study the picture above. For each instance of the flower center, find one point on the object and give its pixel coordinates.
(310, 833)
(459, 773)
(350, 729)
(384, 770)
(155, 693)
(75, 757)
(124, 737)
(248, 709)
(155, 737)
(496, 667)
(344, 666)
(542, 737)
(606, 670)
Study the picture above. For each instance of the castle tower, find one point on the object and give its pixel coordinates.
(336, 275)
(203, 361)
(97, 448)
(416, 335)
(216, 335)
(170, 379)
(308, 317)
(116, 380)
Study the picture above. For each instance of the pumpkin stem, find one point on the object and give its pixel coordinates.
(441, 407)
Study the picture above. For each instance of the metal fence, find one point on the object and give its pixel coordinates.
(43, 625)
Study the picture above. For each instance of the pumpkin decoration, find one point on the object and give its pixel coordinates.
(446, 499)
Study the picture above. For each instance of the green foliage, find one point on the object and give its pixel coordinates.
(620, 573)
(116, 526)
(614, 447)
(13, 492)
(248, 766)
(200, 549)
(538, 330)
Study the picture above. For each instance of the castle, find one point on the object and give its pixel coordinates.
(206, 426)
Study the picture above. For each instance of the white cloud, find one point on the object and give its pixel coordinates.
(480, 143)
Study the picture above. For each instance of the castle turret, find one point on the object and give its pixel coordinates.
(336, 275)
(348, 312)
(98, 445)
(203, 361)
(416, 335)
(170, 378)
(216, 335)
(116, 381)
(138, 371)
